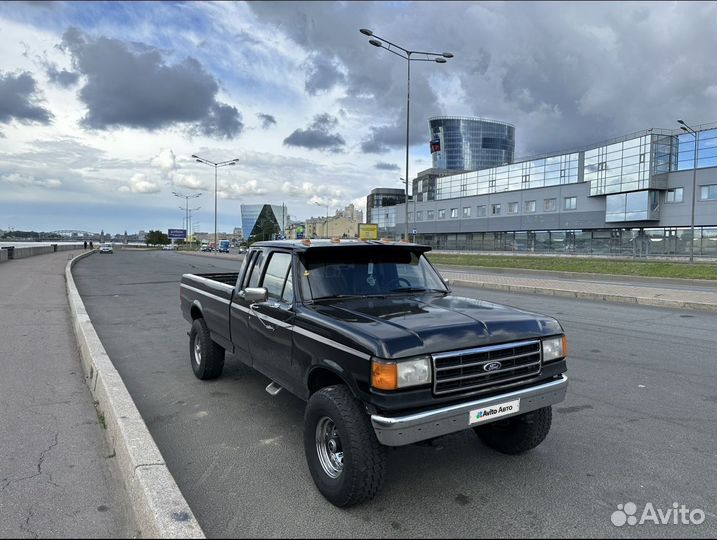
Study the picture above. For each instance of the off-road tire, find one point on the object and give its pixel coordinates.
(517, 434)
(364, 458)
(210, 363)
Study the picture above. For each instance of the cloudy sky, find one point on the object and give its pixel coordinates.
(103, 104)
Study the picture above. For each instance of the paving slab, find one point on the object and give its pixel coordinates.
(57, 478)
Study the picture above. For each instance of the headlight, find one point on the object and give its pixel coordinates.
(554, 348)
(392, 375)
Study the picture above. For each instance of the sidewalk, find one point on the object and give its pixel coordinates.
(671, 294)
(56, 477)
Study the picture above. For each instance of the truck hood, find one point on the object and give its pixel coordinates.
(407, 326)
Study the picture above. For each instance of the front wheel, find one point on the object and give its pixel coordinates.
(207, 357)
(345, 459)
(517, 434)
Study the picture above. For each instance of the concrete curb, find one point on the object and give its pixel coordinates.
(657, 302)
(159, 506)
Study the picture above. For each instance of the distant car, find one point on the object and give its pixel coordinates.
(169, 247)
(106, 248)
(205, 247)
(242, 250)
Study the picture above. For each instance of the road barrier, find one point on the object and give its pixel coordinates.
(20, 252)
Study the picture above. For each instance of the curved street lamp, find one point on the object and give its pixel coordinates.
(439, 58)
(216, 165)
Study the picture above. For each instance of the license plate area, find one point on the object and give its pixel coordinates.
(486, 414)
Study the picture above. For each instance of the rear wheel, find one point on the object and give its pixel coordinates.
(517, 434)
(207, 357)
(345, 459)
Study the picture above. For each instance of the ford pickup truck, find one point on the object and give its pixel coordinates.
(371, 337)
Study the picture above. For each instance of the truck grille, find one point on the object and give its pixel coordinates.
(459, 371)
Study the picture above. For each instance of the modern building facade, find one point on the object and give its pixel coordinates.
(632, 196)
(382, 205)
(259, 219)
(467, 144)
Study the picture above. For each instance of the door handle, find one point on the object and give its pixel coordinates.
(255, 310)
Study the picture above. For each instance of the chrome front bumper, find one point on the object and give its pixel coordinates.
(401, 430)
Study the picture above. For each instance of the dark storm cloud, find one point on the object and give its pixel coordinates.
(565, 74)
(383, 166)
(19, 99)
(61, 77)
(322, 74)
(221, 121)
(130, 84)
(318, 135)
(267, 120)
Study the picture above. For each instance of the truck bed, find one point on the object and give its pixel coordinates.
(212, 293)
(228, 278)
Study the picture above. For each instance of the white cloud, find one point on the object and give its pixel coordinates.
(165, 161)
(236, 191)
(188, 181)
(324, 201)
(30, 181)
(140, 184)
(51, 183)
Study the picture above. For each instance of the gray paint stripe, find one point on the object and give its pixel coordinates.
(224, 300)
(283, 324)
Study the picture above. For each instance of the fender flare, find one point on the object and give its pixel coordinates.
(335, 369)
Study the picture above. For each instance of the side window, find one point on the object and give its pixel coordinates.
(288, 294)
(275, 275)
(245, 269)
(256, 270)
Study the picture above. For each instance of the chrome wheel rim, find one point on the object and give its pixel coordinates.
(197, 351)
(329, 448)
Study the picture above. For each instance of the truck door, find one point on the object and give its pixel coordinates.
(239, 311)
(271, 322)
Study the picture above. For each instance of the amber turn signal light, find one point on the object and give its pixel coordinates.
(384, 376)
(565, 346)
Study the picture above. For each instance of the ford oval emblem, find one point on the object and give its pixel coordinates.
(492, 366)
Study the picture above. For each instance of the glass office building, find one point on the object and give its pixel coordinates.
(381, 205)
(631, 195)
(466, 143)
(260, 219)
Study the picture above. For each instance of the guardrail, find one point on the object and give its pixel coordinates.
(20, 252)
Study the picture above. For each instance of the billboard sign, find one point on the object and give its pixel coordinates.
(435, 145)
(368, 231)
(177, 233)
(300, 232)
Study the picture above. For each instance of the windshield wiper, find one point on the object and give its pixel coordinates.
(416, 289)
(344, 296)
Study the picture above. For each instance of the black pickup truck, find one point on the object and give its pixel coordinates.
(371, 337)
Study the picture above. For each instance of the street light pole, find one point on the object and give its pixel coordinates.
(186, 207)
(414, 209)
(439, 58)
(326, 223)
(216, 165)
(692, 132)
(189, 222)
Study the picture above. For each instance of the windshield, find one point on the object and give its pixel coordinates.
(366, 271)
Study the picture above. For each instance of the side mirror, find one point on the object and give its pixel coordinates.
(254, 294)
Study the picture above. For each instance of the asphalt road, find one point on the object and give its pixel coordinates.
(638, 425)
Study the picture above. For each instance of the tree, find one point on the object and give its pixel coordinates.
(155, 238)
